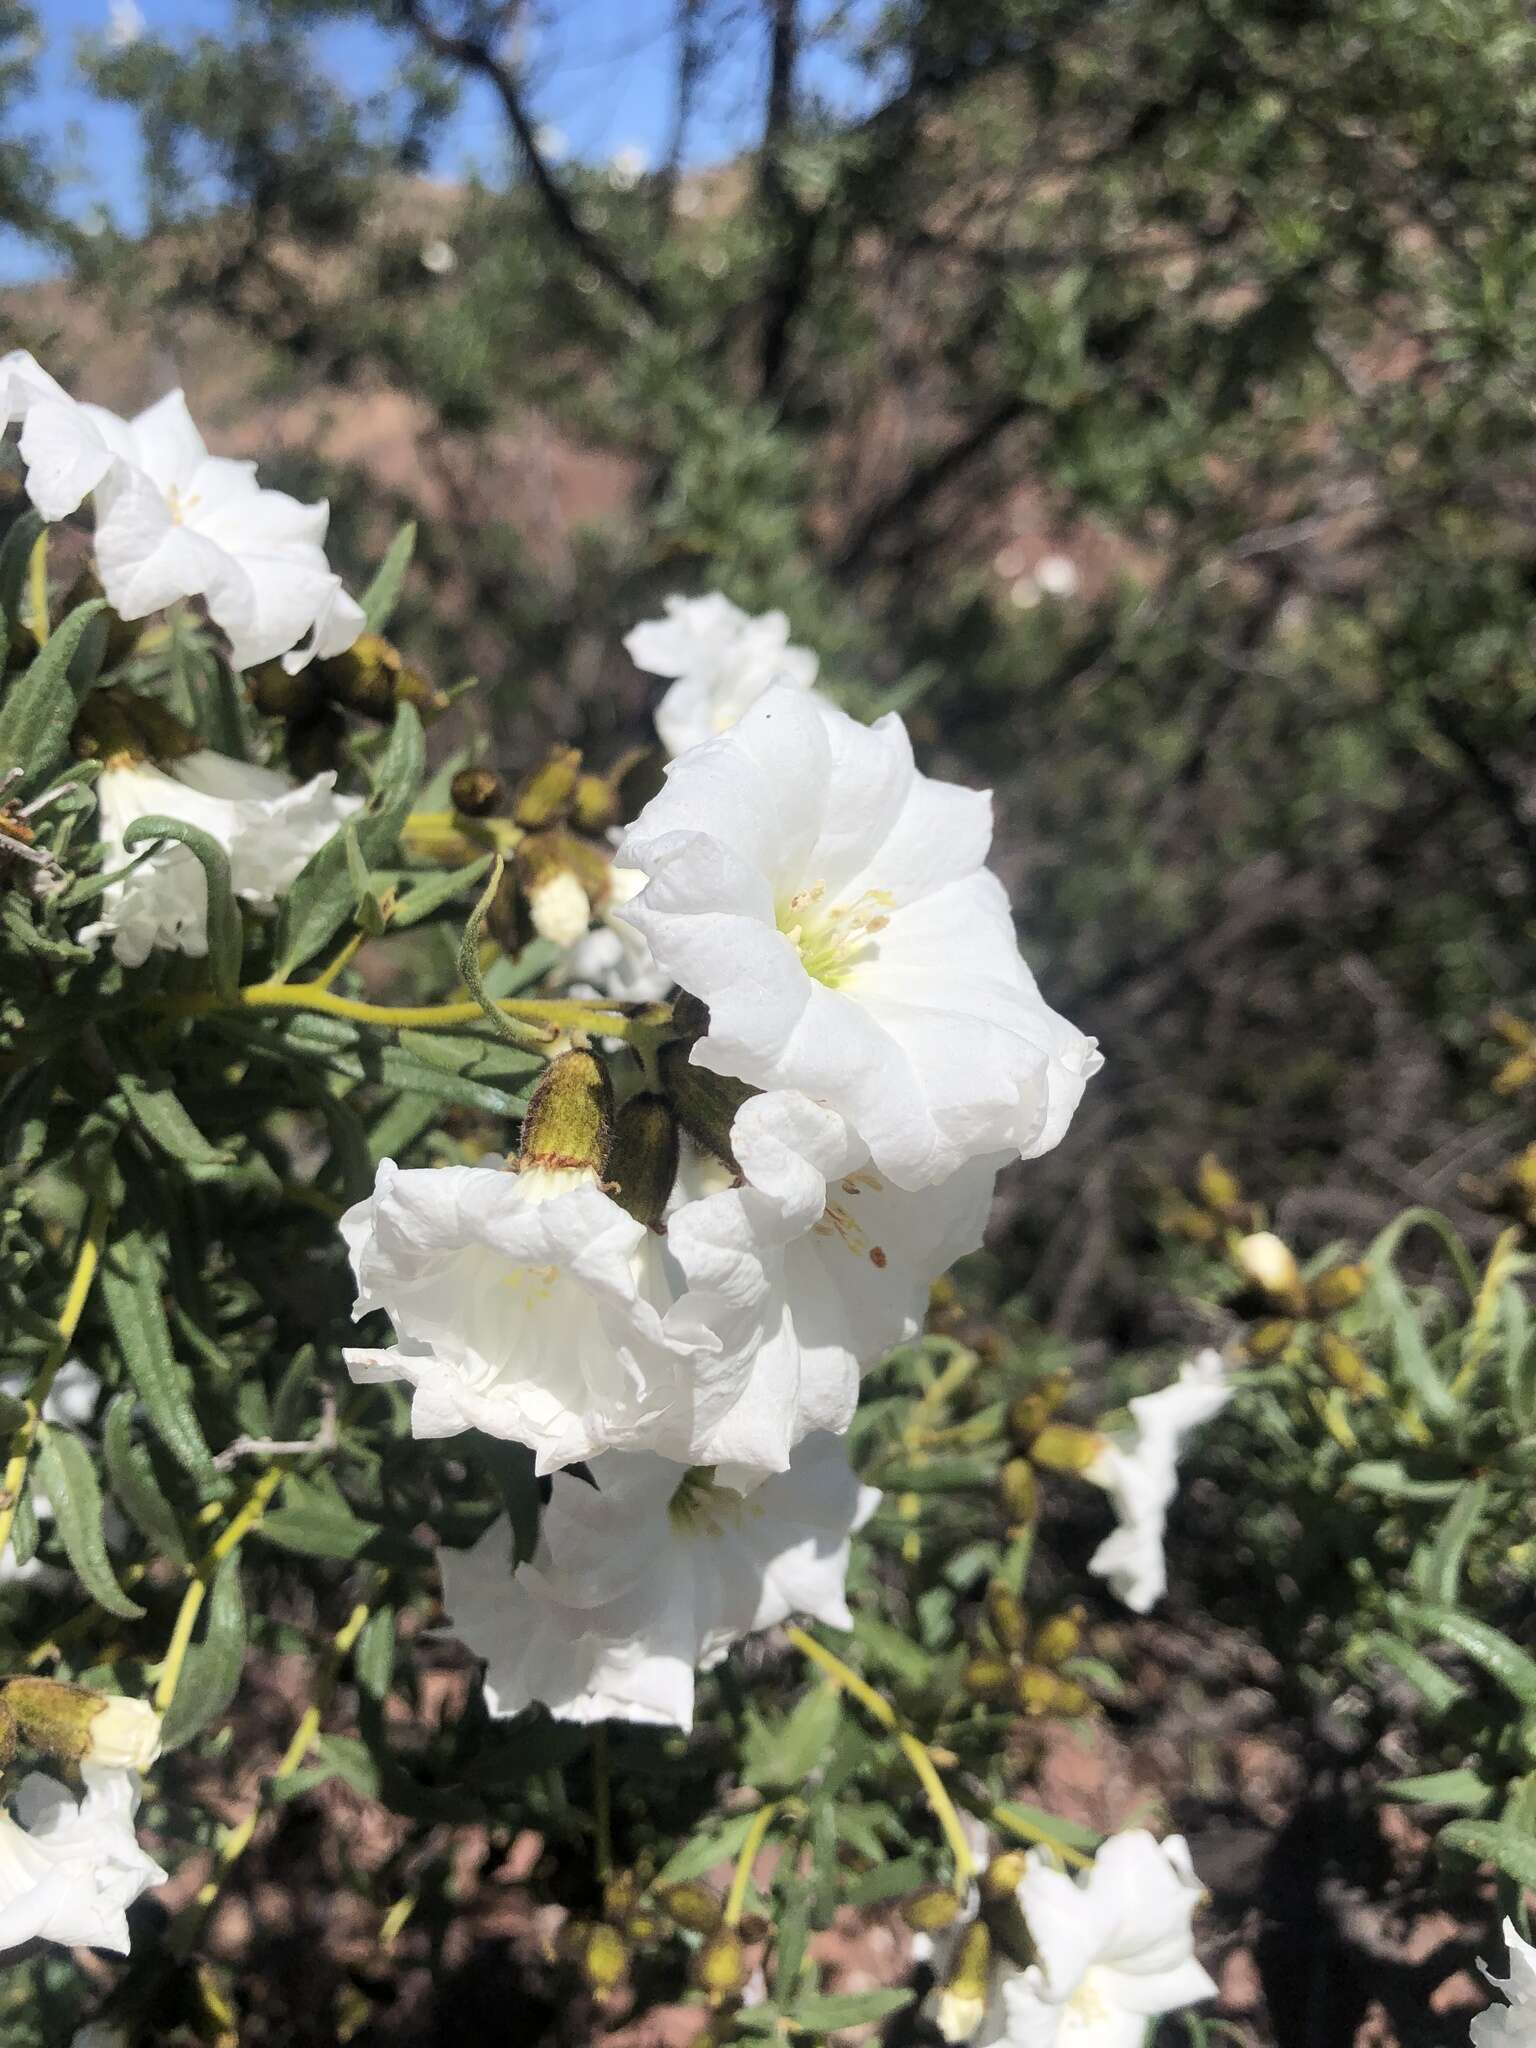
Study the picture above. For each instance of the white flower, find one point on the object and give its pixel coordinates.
(438, 256)
(124, 1735)
(267, 825)
(1512, 2025)
(1141, 1478)
(722, 659)
(627, 166)
(173, 521)
(558, 907)
(830, 905)
(125, 24)
(69, 1871)
(847, 1258)
(612, 960)
(531, 1306)
(1112, 1952)
(649, 1573)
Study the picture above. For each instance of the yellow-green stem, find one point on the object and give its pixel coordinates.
(37, 588)
(551, 1013)
(86, 1263)
(234, 1532)
(741, 1876)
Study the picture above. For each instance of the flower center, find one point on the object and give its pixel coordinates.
(1087, 2010)
(180, 506)
(833, 939)
(699, 1507)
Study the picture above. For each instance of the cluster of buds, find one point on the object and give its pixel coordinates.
(369, 680)
(634, 1918)
(560, 873)
(1041, 1441)
(1216, 1209)
(77, 1726)
(1511, 1192)
(572, 1126)
(1020, 1662)
(118, 724)
(997, 1931)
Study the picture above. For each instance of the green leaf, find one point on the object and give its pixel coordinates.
(1512, 1849)
(135, 1487)
(67, 1476)
(1440, 1579)
(322, 897)
(225, 938)
(1504, 1661)
(316, 1522)
(39, 708)
(373, 1661)
(1390, 1477)
(707, 1850)
(1462, 1788)
(156, 1108)
(15, 557)
(1039, 1825)
(210, 1678)
(827, 2012)
(889, 1647)
(437, 890)
(383, 593)
(778, 1755)
(1437, 1688)
(131, 1289)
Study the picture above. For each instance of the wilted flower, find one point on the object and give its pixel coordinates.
(123, 1735)
(1112, 1952)
(70, 1870)
(650, 1572)
(612, 960)
(1512, 2025)
(267, 825)
(830, 905)
(173, 521)
(1141, 1478)
(722, 660)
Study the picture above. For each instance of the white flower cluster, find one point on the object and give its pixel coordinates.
(829, 904)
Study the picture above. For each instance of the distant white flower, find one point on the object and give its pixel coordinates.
(551, 142)
(1141, 1477)
(531, 1306)
(848, 1261)
(722, 659)
(70, 1870)
(1512, 2025)
(125, 24)
(830, 905)
(1112, 1952)
(627, 166)
(173, 521)
(649, 1573)
(1057, 575)
(612, 960)
(267, 825)
(438, 256)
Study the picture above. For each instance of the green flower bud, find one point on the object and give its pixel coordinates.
(706, 1103)
(594, 804)
(1009, 1622)
(1019, 1490)
(569, 1119)
(962, 2004)
(372, 677)
(81, 1726)
(1218, 1188)
(693, 1906)
(720, 1965)
(1063, 1447)
(1058, 1638)
(1339, 1287)
(987, 1678)
(1269, 1339)
(1002, 1877)
(1347, 1369)
(477, 792)
(545, 796)
(931, 1910)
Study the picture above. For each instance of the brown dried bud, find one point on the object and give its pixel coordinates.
(276, 694)
(477, 792)
(693, 1906)
(1029, 1413)
(372, 677)
(313, 744)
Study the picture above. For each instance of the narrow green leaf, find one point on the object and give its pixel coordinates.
(67, 1476)
(708, 1849)
(778, 1755)
(135, 1487)
(1440, 1580)
(210, 1678)
(373, 1661)
(1461, 1788)
(1496, 1842)
(39, 708)
(830, 2011)
(437, 890)
(158, 1111)
(1437, 1688)
(383, 593)
(130, 1287)
(1037, 1824)
(1504, 1661)
(225, 938)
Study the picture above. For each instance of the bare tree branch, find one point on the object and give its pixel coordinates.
(476, 56)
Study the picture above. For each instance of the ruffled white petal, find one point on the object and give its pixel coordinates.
(829, 904)
(1140, 1476)
(70, 1870)
(722, 660)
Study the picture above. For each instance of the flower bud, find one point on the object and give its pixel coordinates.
(1058, 1638)
(931, 1910)
(602, 1956)
(1035, 1690)
(1019, 1490)
(1347, 1369)
(372, 677)
(1269, 1339)
(1071, 1698)
(1006, 1616)
(1029, 1413)
(642, 1160)
(1340, 1287)
(1269, 1263)
(7, 1737)
(544, 797)
(476, 792)
(594, 804)
(1003, 1876)
(720, 1965)
(313, 743)
(563, 880)
(81, 1726)
(276, 694)
(706, 1103)
(568, 1121)
(693, 1906)
(987, 1677)
(962, 2003)
(1063, 1447)
(1218, 1188)
(621, 1894)
(1184, 1219)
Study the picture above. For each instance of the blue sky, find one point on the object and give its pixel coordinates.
(601, 73)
